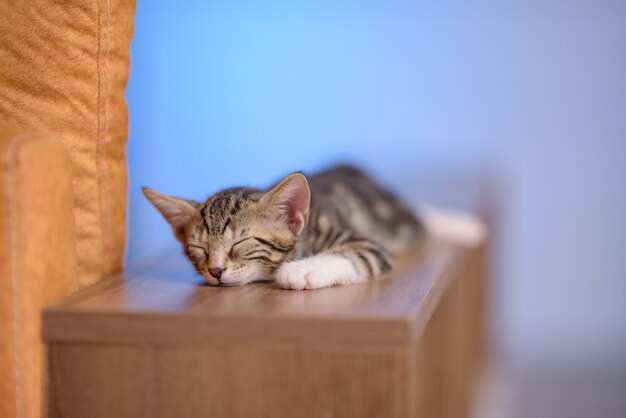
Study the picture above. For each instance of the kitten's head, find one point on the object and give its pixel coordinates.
(239, 235)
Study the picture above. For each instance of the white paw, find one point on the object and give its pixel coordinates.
(315, 272)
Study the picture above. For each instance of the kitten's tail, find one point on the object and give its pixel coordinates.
(452, 226)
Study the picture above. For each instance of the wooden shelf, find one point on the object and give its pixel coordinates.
(157, 341)
(165, 301)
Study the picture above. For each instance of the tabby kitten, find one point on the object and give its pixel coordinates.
(336, 227)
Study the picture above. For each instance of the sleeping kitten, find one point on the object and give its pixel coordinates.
(336, 227)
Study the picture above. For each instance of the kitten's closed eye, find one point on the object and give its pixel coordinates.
(231, 253)
(197, 253)
(240, 241)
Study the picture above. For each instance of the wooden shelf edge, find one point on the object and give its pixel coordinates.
(106, 314)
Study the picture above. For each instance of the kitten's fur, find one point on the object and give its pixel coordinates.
(337, 227)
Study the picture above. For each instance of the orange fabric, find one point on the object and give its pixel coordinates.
(37, 260)
(63, 72)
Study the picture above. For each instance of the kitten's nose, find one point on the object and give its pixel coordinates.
(217, 271)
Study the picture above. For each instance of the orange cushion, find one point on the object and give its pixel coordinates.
(63, 73)
(37, 260)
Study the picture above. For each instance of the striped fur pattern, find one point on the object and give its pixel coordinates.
(336, 227)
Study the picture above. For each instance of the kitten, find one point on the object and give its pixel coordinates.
(336, 227)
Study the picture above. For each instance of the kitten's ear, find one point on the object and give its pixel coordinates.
(178, 212)
(290, 199)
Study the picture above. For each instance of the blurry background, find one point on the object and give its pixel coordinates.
(529, 95)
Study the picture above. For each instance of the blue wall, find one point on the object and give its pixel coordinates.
(230, 93)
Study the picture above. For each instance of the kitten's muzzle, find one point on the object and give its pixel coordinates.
(217, 272)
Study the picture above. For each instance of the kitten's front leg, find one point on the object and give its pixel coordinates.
(352, 261)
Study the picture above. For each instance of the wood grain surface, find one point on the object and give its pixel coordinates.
(165, 300)
(230, 382)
